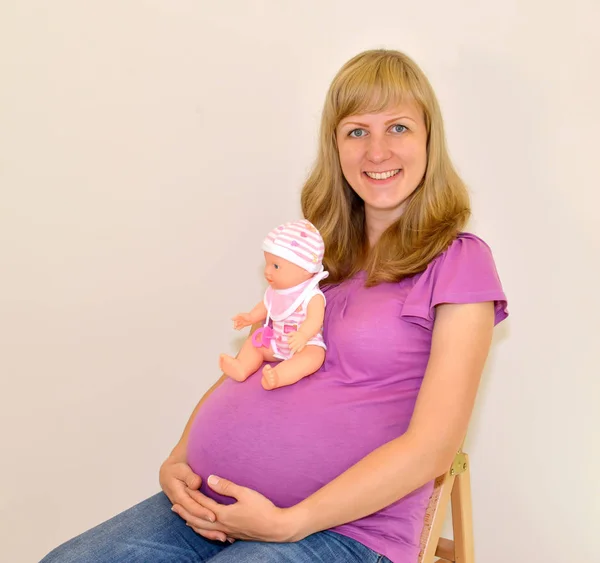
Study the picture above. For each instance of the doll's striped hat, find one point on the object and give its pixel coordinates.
(299, 242)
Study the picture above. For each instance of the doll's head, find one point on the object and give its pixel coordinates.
(293, 254)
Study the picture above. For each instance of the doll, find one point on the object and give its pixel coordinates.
(293, 309)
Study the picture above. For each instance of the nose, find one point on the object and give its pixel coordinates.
(378, 149)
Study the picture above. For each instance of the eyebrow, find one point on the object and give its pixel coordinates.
(389, 122)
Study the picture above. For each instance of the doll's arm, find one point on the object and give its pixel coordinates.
(315, 313)
(258, 314)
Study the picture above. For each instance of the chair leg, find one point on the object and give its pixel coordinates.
(462, 516)
(438, 515)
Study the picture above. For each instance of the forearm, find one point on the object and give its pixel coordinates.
(314, 317)
(460, 343)
(386, 475)
(258, 314)
(310, 327)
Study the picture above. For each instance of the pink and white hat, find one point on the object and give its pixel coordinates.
(299, 242)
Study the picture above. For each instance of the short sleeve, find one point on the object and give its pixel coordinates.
(464, 273)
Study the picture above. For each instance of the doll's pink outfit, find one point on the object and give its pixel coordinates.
(301, 243)
(286, 308)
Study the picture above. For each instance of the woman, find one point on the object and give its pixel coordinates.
(339, 466)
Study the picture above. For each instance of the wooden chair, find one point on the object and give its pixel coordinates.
(454, 487)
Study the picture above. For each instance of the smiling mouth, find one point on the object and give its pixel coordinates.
(382, 175)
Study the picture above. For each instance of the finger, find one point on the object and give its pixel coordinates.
(215, 536)
(189, 499)
(225, 487)
(197, 509)
(183, 472)
(177, 489)
(209, 504)
(192, 481)
(196, 522)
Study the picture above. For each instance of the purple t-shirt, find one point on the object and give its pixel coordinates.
(289, 442)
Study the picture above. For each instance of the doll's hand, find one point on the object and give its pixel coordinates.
(297, 341)
(241, 321)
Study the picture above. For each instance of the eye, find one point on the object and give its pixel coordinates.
(399, 128)
(276, 266)
(357, 133)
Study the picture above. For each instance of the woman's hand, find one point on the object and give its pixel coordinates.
(252, 517)
(181, 485)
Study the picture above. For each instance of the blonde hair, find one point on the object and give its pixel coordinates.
(436, 212)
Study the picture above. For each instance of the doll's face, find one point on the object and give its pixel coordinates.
(283, 274)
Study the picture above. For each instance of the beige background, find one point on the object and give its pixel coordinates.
(145, 150)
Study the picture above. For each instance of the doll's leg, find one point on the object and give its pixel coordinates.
(247, 362)
(298, 366)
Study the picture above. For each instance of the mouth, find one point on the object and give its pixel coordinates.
(382, 177)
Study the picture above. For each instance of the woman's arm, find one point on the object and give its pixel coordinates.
(461, 340)
(181, 484)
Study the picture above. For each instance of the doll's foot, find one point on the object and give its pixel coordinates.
(269, 379)
(232, 367)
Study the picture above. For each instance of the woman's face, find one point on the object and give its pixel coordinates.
(383, 157)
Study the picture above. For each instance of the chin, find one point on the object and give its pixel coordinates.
(391, 203)
(396, 206)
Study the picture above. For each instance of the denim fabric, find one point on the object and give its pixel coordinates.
(150, 533)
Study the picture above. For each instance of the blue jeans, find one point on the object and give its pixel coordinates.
(150, 533)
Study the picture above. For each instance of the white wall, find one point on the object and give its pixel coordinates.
(145, 148)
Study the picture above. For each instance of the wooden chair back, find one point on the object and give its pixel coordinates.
(453, 488)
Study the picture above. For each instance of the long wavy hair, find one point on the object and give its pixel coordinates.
(435, 213)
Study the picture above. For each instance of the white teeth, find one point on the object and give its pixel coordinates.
(382, 175)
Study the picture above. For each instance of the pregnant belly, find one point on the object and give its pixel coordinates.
(289, 442)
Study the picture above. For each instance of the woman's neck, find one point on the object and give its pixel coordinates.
(378, 220)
